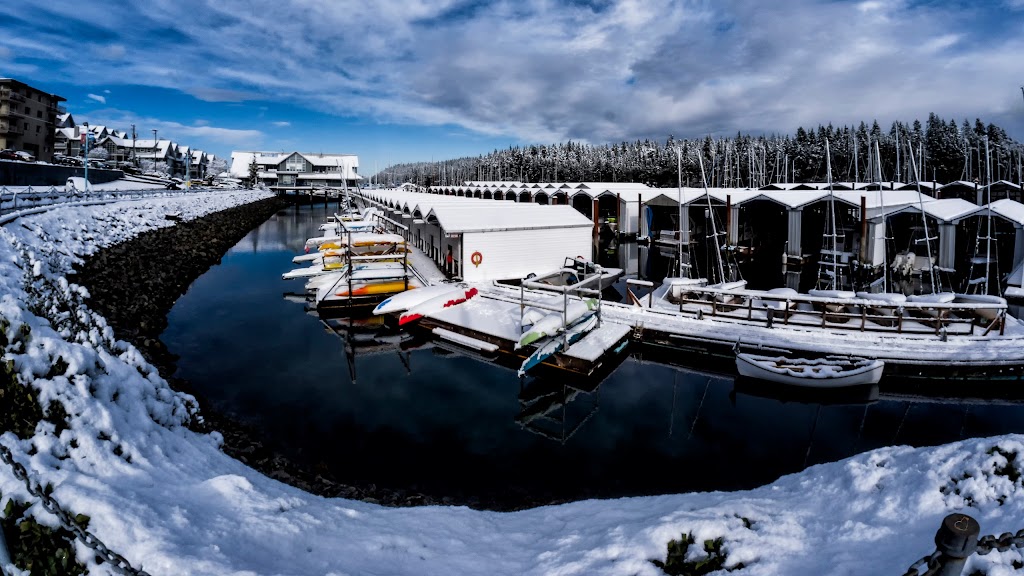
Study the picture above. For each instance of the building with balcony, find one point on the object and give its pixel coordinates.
(298, 171)
(28, 118)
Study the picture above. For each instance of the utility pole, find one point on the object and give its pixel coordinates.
(154, 148)
(134, 160)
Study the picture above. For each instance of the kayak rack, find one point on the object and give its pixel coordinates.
(578, 289)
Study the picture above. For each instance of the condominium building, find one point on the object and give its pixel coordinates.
(28, 118)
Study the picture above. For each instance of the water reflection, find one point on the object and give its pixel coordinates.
(365, 404)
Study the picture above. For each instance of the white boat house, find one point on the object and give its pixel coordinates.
(488, 241)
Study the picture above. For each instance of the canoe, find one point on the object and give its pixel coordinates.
(817, 373)
(358, 239)
(405, 300)
(456, 296)
(331, 262)
(552, 323)
(554, 344)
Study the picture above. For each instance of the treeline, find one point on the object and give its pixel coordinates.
(943, 151)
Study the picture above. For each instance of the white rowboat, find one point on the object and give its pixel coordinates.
(817, 373)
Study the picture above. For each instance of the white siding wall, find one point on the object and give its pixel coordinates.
(629, 212)
(516, 253)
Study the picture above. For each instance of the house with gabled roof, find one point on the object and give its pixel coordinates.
(298, 171)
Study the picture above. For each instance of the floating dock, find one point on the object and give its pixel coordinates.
(492, 325)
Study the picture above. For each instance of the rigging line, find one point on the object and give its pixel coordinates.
(714, 228)
(924, 219)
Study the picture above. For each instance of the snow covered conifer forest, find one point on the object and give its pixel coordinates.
(944, 150)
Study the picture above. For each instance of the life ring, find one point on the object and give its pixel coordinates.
(476, 258)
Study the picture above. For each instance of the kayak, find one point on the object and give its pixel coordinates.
(405, 300)
(441, 301)
(555, 343)
(552, 323)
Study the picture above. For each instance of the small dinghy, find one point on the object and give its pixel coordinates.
(831, 372)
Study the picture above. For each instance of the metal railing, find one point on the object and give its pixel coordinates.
(12, 201)
(943, 319)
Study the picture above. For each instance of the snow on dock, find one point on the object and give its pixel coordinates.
(496, 321)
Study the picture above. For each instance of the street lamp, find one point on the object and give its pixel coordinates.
(86, 157)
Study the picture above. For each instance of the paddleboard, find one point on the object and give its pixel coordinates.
(439, 302)
(405, 300)
(552, 322)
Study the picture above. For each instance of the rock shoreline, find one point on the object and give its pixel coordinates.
(135, 284)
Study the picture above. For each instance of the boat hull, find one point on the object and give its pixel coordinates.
(808, 373)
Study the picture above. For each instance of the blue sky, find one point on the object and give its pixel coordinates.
(398, 81)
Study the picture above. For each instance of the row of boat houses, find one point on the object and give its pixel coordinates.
(785, 218)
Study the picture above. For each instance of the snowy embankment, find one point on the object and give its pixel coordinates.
(171, 502)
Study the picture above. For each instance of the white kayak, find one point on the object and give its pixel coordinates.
(405, 300)
(358, 239)
(439, 302)
(555, 344)
(552, 323)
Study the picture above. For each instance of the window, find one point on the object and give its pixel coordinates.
(28, 111)
(37, 129)
(39, 113)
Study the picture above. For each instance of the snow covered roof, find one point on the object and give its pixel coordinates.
(485, 217)
(946, 210)
(1009, 209)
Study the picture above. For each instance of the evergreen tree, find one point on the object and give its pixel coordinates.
(254, 171)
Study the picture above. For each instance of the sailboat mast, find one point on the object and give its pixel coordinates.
(679, 172)
(856, 153)
(885, 224)
(711, 214)
(832, 215)
(927, 236)
(988, 214)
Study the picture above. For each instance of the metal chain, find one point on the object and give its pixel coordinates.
(1002, 543)
(986, 544)
(932, 562)
(117, 562)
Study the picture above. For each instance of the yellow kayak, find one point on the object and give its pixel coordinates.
(371, 288)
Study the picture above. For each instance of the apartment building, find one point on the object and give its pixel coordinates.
(28, 118)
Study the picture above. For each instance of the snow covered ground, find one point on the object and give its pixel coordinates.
(172, 503)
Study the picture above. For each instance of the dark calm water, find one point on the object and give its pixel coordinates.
(420, 417)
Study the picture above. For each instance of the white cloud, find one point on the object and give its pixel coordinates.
(281, 124)
(606, 71)
(178, 132)
(97, 97)
(106, 91)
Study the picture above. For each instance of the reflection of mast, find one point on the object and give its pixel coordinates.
(544, 409)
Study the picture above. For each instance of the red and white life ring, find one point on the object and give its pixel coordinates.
(476, 258)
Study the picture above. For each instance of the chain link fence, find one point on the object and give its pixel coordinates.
(115, 561)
